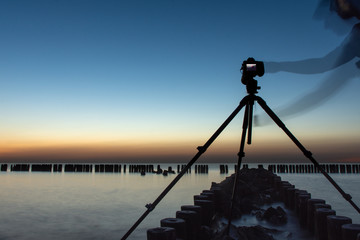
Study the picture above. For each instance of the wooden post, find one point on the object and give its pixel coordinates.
(178, 224)
(303, 198)
(334, 224)
(350, 231)
(321, 222)
(290, 197)
(161, 233)
(207, 209)
(192, 208)
(296, 199)
(193, 223)
(311, 213)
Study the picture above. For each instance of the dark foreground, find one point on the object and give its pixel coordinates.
(280, 210)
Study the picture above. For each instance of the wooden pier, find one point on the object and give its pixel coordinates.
(343, 168)
(315, 219)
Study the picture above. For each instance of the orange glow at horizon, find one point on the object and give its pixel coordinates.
(143, 149)
(153, 144)
(40, 150)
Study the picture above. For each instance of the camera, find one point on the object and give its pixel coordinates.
(250, 69)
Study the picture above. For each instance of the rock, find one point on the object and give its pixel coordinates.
(249, 233)
(254, 189)
(254, 233)
(275, 216)
(205, 233)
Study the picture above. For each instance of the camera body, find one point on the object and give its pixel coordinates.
(250, 69)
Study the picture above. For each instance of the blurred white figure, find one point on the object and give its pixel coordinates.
(337, 15)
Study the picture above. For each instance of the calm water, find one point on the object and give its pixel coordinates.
(105, 206)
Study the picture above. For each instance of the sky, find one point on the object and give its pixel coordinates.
(149, 81)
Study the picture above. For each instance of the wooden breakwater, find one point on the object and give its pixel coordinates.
(309, 168)
(107, 168)
(314, 217)
(150, 168)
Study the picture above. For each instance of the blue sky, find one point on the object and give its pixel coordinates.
(141, 80)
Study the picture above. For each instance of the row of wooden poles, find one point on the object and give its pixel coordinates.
(309, 168)
(149, 168)
(108, 168)
(314, 215)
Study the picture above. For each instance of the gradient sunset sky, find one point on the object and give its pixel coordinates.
(151, 80)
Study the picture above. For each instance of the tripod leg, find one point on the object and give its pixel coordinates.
(307, 153)
(201, 150)
(250, 116)
(241, 154)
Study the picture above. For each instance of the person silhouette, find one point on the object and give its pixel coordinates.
(348, 50)
(344, 60)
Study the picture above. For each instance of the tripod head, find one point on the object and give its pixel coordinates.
(251, 68)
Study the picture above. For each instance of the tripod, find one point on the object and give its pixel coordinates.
(247, 102)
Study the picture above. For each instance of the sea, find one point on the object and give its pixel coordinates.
(62, 205)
